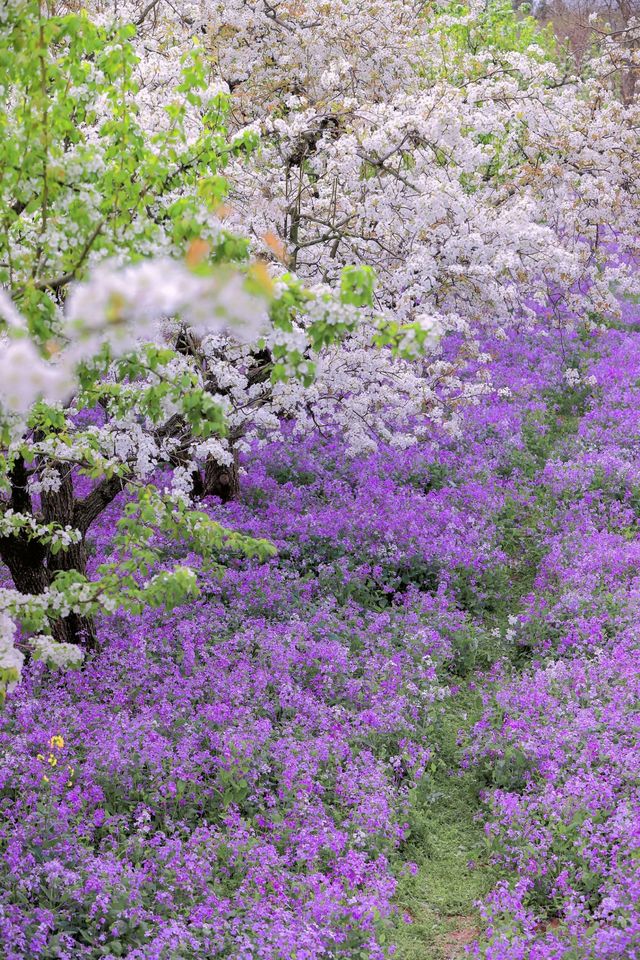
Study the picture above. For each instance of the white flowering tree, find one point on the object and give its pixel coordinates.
(449, 147)
(144, 341)
(116, 268)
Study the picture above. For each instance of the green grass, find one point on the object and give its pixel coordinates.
(447, 844)
(447, 839)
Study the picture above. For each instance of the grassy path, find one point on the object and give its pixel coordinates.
(447, 844)
(447, 840)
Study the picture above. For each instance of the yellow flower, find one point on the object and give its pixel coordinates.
(52, 760)
(40, 757)
(56, 741)
(45, 778)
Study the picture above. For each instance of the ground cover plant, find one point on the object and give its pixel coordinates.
(319, 492)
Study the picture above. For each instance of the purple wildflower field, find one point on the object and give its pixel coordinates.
(319, 480)
(235, 779)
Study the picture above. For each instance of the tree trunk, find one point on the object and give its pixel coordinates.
(26, 562)
(222, 480)
(60, 506)
(74, 628)
(31, 575)
(32, 565)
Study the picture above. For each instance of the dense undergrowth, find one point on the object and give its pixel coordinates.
(410, 731)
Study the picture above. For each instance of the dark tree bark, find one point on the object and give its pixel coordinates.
(76, 629)
(221, 480)
(89, 509)
(25, 558)
(59, 506)
(26, 562)
(32, 565)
